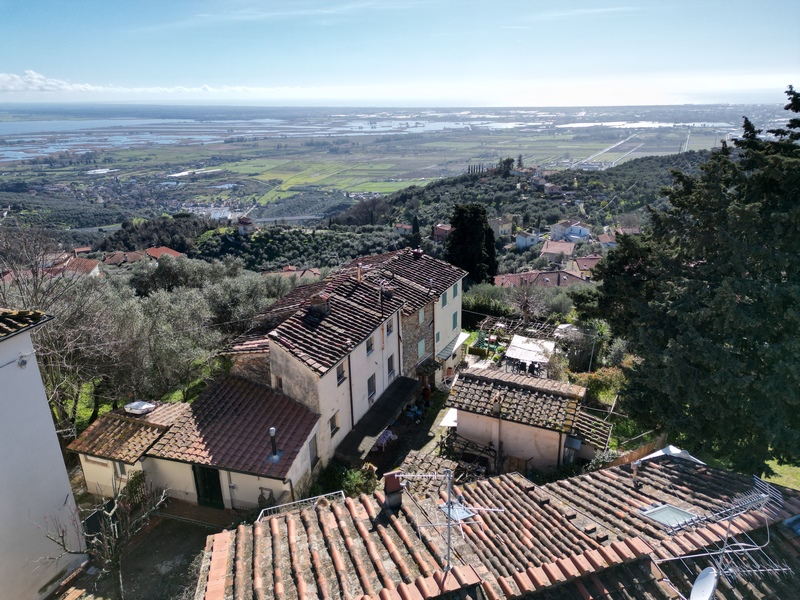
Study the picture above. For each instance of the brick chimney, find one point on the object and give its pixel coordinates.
(320, 304)
(393, 488)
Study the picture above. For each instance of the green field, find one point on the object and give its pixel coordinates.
(271, 170)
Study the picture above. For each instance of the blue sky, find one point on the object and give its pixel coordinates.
(399, 52)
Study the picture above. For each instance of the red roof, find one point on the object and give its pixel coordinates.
(227, 428)
(589, 262)
(83, 266)
(539, 278)
(583, 537)
(552, 247)
(121, 258)
(161, 251)
(118, 435)
(320, 340)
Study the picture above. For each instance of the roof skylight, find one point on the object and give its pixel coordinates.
(668, 515)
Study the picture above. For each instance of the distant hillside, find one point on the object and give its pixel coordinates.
(178, 232)
(603, 195)
(275, 247)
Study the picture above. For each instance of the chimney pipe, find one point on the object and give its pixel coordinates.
(393, 489)
(274, 442)
(359, 273)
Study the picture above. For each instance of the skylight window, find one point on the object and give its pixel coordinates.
(457, 511)
(668, 515)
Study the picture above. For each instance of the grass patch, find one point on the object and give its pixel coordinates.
(785, 475)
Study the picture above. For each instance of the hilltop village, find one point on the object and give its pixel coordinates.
(484, 388)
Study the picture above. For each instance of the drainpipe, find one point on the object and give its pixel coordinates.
(291, 486)
(433, 335)
(560, 448)
(399, 347)
(350, 386)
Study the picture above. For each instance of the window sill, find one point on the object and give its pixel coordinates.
(335, 431)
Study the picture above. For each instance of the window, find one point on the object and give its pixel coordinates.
(313, 454)
(121, 470)
(370, 345)
(371, 388)
(668, 515)
(390, 366)
(455, 289)
(340, 374)
(389, 326)
(421, 348)
(438, 337)
(444, 299)
(421, 316)
(278, 383)
(334, 423)
(455, 320)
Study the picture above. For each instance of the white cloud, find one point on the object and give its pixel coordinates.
(665, 88)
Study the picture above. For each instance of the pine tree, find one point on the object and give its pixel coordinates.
(708, 301)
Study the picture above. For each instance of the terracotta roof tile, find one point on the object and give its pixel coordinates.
(161, 251)
(227, 427)
(415, 278)
(118, 435)
(13, 322)
(533, 547)
(320, 340)
(514, 398)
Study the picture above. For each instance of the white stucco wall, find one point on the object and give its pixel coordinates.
(540, 447)
(443, 323)
(248, 487)
(101, 477)
(176, 477)
(36, 494)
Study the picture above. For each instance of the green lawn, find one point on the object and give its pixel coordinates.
(787, 475)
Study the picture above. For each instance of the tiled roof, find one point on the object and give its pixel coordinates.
(607, 238)
(121, 258)
(337, 550)
(592, 430)
(414, 283)
(161, 251)
(292, 271)
(257, 339)
(227, 427)
(539, 278)
(416, 278)
(583, 537)
(525, 400)
(13, 322)
(125, 437)
(82, 265)
(322, 340)
(587, 263)
(551, 247)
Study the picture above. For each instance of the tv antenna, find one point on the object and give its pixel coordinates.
(456, 511)
(734, 559)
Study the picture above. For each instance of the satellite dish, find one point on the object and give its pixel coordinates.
(705, 585)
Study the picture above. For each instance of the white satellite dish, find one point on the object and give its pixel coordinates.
(705, 585)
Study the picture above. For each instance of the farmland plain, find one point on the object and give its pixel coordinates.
(266, 156)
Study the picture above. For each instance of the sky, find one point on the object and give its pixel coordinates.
(397, 53)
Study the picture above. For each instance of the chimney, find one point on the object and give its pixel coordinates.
(358, 278)
(417, 253)
(497, 402)
(320, 303)
(274, 442)
(393, 489)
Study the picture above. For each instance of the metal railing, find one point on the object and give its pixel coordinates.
(282, 508)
